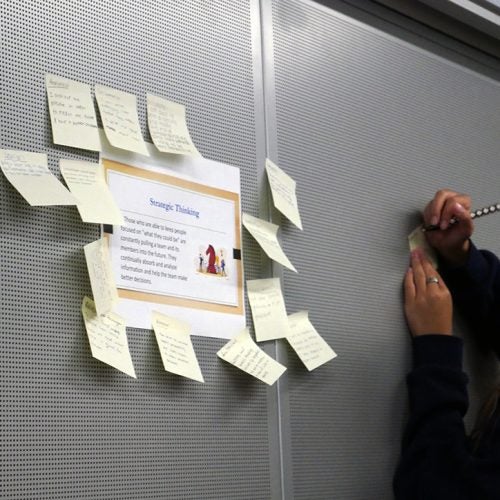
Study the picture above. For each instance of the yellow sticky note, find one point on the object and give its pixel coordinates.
(266, 235)
(30, 175)
(119, 117)
(283, 192)
(168, 127)
(310, 347)
(95, 201)
(108, 338)
(72, 113)
(268, 309)
(176, 348)
(245, 354)
(417, 239)
(101, 276)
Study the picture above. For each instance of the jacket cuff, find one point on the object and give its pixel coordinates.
(475, 266)
(442, 350)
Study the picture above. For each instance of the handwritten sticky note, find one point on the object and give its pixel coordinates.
(310, 347)
(176, 348)
(417, 239)
(245, 354)
(30, 175)
(266, 235)
(72, 113)
(268, 309)
(168, 127)
(95, 201)
(119, 117)
(283, 192)
(101, 276)
(108, 338)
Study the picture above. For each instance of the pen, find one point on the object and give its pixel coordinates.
(474, 215)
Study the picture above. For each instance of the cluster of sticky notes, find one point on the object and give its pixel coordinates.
(74, 121)
(283, 190)
(30, 175)
(108, 342)
(106, 330)
(265, 296)
(271, 322)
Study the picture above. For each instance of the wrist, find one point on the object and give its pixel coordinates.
(457, 257)
(439, 350)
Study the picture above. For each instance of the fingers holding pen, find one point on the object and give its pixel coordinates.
(444, 206)
(456, 207)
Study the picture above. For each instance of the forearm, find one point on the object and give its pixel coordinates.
(434, 437)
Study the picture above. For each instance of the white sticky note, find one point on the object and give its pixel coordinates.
(310, 347)
(283, 192)
(168, 127)
(119, 118)
(268, 309)
(417, 239)
(108, 338)
(266, 235)
(30, 175)
(245, 354)
(95, 201)
(72, 113)
(176, 349)
(101, 276)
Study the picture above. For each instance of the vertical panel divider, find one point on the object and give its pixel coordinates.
(278, 403)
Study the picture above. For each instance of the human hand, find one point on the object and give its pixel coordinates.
(451, 241)
(427, 305)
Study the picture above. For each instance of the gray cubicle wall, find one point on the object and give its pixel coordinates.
(367, 123)
(73, 427)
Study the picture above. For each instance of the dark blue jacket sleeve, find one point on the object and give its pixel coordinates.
(436, 460)
(475, 288)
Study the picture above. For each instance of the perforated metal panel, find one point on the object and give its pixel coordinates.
(72, 427)
(369, 126)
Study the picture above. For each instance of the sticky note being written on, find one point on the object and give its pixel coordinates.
(108, 338)
(101, 276)
(283, 192)
(176, 349)
(95, 201)
(72, 113)
(245, 354)
(417, 239)
(119, 117)
(168, 127)
(266, 235)
(310, 347)
(268, 309)
(30, 175)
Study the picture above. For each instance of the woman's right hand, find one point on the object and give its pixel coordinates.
(451, 241)
(428, 305)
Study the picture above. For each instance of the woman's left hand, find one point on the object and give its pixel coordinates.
(428, 305)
